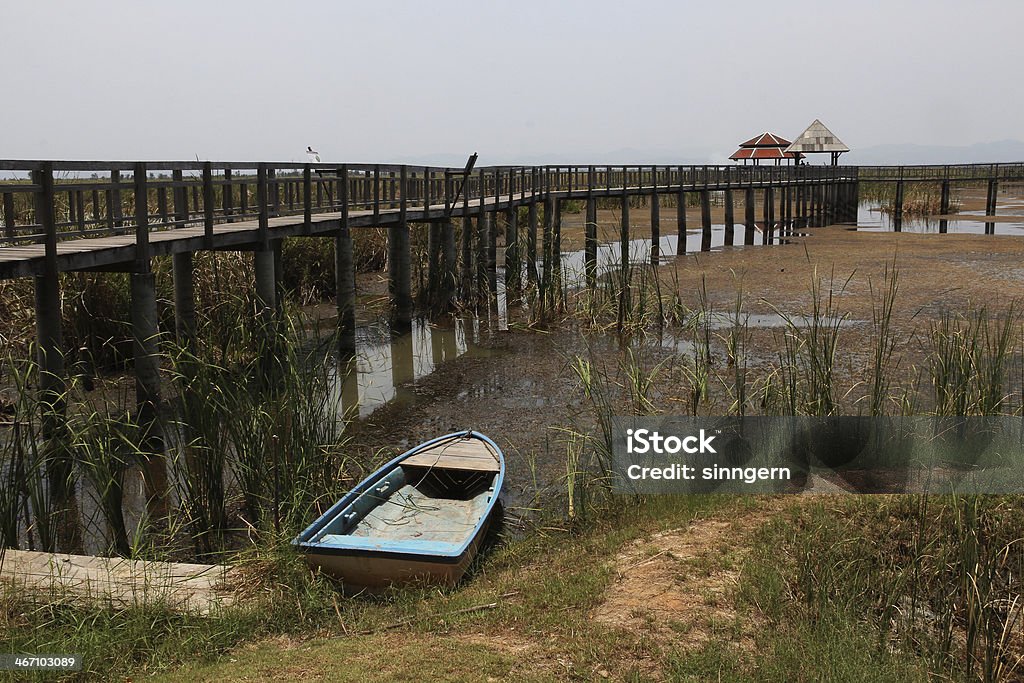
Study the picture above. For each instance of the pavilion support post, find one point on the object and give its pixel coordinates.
(681, 221)
(749, 215)
(590, 244)
(705, 216)
(184, 297)
(730, 218)
(769, 215)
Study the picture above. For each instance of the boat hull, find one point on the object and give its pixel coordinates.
(420, 519)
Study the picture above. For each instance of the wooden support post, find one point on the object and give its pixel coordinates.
(49, 336)
(769, 215)
(944, 198)
(729, 217)
(590, 243)
(556, 250)
(681, 220)
(897, 211)
(655, 224)
(184, 297)
(9, 219)
(400, 268)
(228, 197)
(547, 276)
(115, 210)
(483, 256)
(991, 201)
(513, 266)
(492, 253)
(531, 242)
(446, 297)
(345, 275)
(749, 213)
(705, 220)
(623, 258)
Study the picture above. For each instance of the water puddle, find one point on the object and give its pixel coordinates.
(870, 218)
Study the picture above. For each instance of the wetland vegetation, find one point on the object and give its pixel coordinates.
(587, 584)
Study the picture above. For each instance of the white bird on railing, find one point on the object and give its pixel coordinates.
(313, 155)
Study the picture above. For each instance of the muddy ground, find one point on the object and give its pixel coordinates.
(525, 393)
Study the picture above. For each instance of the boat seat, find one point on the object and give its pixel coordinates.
(457, 454)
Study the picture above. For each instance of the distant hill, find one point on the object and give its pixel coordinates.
(979, 152)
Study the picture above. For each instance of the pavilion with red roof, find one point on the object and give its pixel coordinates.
(766, 147)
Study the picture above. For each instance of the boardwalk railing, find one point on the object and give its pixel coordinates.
(50, 201)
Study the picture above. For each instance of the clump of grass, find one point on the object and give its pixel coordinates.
(938, 578)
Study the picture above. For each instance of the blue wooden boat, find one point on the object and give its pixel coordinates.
(419, 518)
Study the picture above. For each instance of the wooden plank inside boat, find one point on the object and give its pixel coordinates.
(457, 454)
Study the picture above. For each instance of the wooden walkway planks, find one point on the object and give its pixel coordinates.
(113, 251)
(195, 588)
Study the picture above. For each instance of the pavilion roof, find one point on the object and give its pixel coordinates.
(817, 138)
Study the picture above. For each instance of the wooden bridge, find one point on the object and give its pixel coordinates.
(118, 216)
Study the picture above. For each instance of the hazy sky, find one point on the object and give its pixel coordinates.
(518, 81)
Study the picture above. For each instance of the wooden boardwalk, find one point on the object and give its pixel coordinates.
(117, 582)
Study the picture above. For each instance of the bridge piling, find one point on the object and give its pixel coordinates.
(590, 244)
(655, 227)
(749, 215)
(681, 220)
(705, 216)
(769, 215)
(729, 217)
(513, 267)
(991, 200)
(400, 267)
(531, 243)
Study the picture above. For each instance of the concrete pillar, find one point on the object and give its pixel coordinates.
(184, 297)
